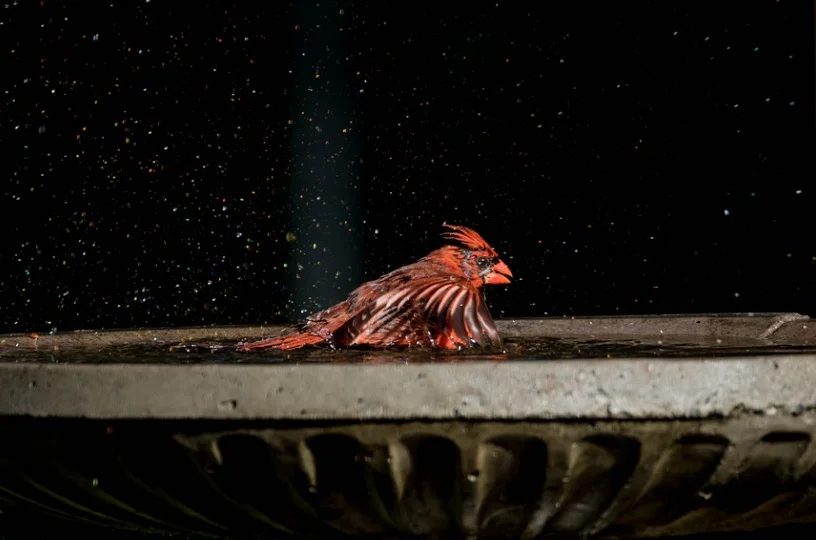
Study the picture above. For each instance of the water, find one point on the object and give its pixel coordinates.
(538, 349)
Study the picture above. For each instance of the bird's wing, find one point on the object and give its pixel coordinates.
(423, 309)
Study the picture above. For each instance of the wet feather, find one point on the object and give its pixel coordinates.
(436, 301)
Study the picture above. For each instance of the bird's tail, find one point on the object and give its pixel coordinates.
(283, 343)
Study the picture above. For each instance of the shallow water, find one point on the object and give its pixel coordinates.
(541, 349)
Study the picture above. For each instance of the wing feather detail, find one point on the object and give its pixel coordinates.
(440, 307)
(487, 323)
(434, 309)
(456, 317)
(474, 327)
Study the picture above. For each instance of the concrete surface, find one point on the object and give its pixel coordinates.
(618, 388)
(429, 479)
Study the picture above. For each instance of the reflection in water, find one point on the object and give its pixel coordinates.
(540, 349)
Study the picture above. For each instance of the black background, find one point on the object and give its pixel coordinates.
(243, 162)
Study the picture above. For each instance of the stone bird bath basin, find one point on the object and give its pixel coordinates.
(628, 427)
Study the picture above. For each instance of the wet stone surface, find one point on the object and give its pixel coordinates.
(716, 336)
(517, 349)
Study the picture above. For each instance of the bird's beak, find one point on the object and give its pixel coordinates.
(500, 275)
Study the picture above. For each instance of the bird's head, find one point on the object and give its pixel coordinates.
(476, 259)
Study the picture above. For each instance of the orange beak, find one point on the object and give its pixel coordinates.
(500, 275)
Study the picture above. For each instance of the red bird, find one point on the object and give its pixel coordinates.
(435, 302)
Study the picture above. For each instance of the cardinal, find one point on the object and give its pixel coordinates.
(437, 302)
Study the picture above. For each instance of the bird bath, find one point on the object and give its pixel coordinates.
(610, 427)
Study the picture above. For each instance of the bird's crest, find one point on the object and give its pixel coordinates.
(468, 237)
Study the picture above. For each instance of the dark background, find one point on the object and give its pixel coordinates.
(244, 162)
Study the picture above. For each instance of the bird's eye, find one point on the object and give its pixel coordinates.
(482, 262)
